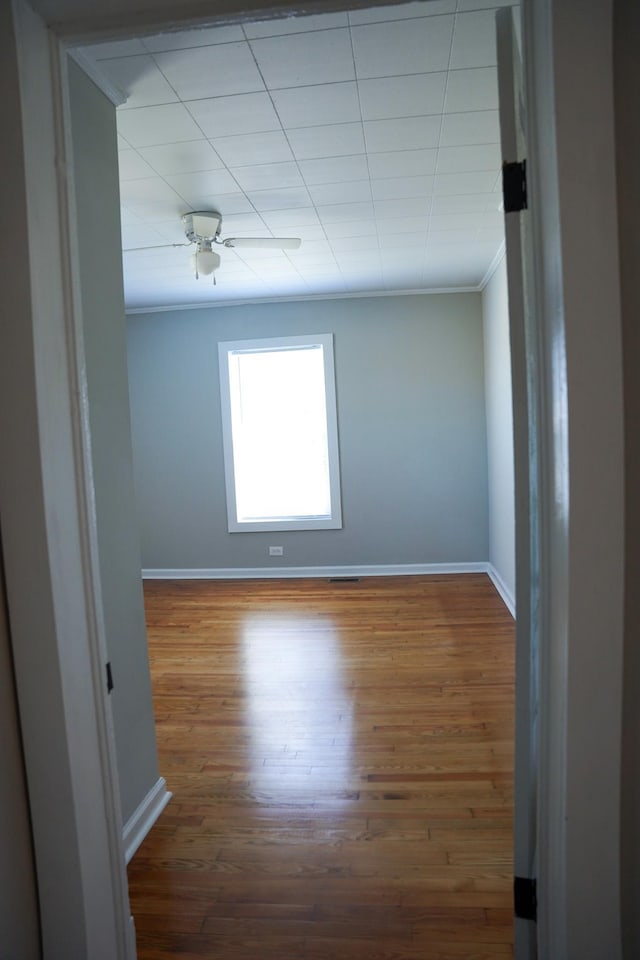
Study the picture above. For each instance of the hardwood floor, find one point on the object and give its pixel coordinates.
(340, 756)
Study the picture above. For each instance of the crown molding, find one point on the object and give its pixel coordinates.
(132, 311)
(493, 266)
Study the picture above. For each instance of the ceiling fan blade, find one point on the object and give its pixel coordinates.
(274, 243)
(156, 246)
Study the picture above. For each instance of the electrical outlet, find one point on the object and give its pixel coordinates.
(276, 551)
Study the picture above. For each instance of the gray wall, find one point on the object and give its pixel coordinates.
(96, 171)
(19, 923)
(410, 392)
(497, 372)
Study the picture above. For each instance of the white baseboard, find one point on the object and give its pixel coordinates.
(274, 573)
(502, 589)
(144, 816)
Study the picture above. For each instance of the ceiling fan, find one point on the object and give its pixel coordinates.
(202, 228)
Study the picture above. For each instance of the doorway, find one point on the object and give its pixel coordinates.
(591, 820)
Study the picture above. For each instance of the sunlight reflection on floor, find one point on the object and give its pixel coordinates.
(299, 707)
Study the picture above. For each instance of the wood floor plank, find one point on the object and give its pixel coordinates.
(341, 760)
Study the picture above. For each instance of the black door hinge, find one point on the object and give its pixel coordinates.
(109, 678)
(525, 899)
(514, 186)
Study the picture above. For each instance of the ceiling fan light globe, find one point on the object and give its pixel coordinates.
(204, 262)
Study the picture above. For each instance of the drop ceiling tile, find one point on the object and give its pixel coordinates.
(188, 156)
(474, 40)
(234, 269)
(365, 284)
(140, 235)
(460, 159)
(439, 237)
(351, 261)
(171, 231)
(466, 128)
(494, 202)
(493, 218)
(244, 225)
(326, 135)
(186, 39)
(490, 234)
(452, 183)
(455, 221)
(325, 260)
(369, 242)
(400, 47)
(410, 242)
(322, 284)
(280, 199)
(217, 71)
(286, 25)
(306, 58)
(334, 169)
(412, 281)
(251, 148)
(306, 232)
(117, 48)
(274, 270)
(402, 163)
(414, 96)
(466, 203)
(315, 105)
(140, 80)
(399, 225)
(346, 211)
(477, 255)
(356, 191)
(318, 271)
(248, 254)
(225, 203)
(390, 209)
(412, 133)
(131, 166)
(402, 187)
(148, 190)
(203, 183)
(148, 126)
(122, 143)
(226, 116)
(279, 220)
(475, 89)
(351, 228)
(309, 247)
(264, 176)
(405, 11)
(335, 140)
(150, 211)
(127, 218)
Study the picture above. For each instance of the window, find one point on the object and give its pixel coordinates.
(280, 434)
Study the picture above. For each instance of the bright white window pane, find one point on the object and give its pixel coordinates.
(278, 406)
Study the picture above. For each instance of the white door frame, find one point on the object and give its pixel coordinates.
(47, 505)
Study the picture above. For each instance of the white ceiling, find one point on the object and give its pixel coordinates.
(372, 135)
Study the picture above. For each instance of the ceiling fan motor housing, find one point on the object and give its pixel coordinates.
(202, 225)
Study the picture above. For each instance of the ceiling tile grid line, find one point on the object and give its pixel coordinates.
(259, 67)
(316, 131)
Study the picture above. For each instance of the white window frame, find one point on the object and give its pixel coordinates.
(333, 521)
